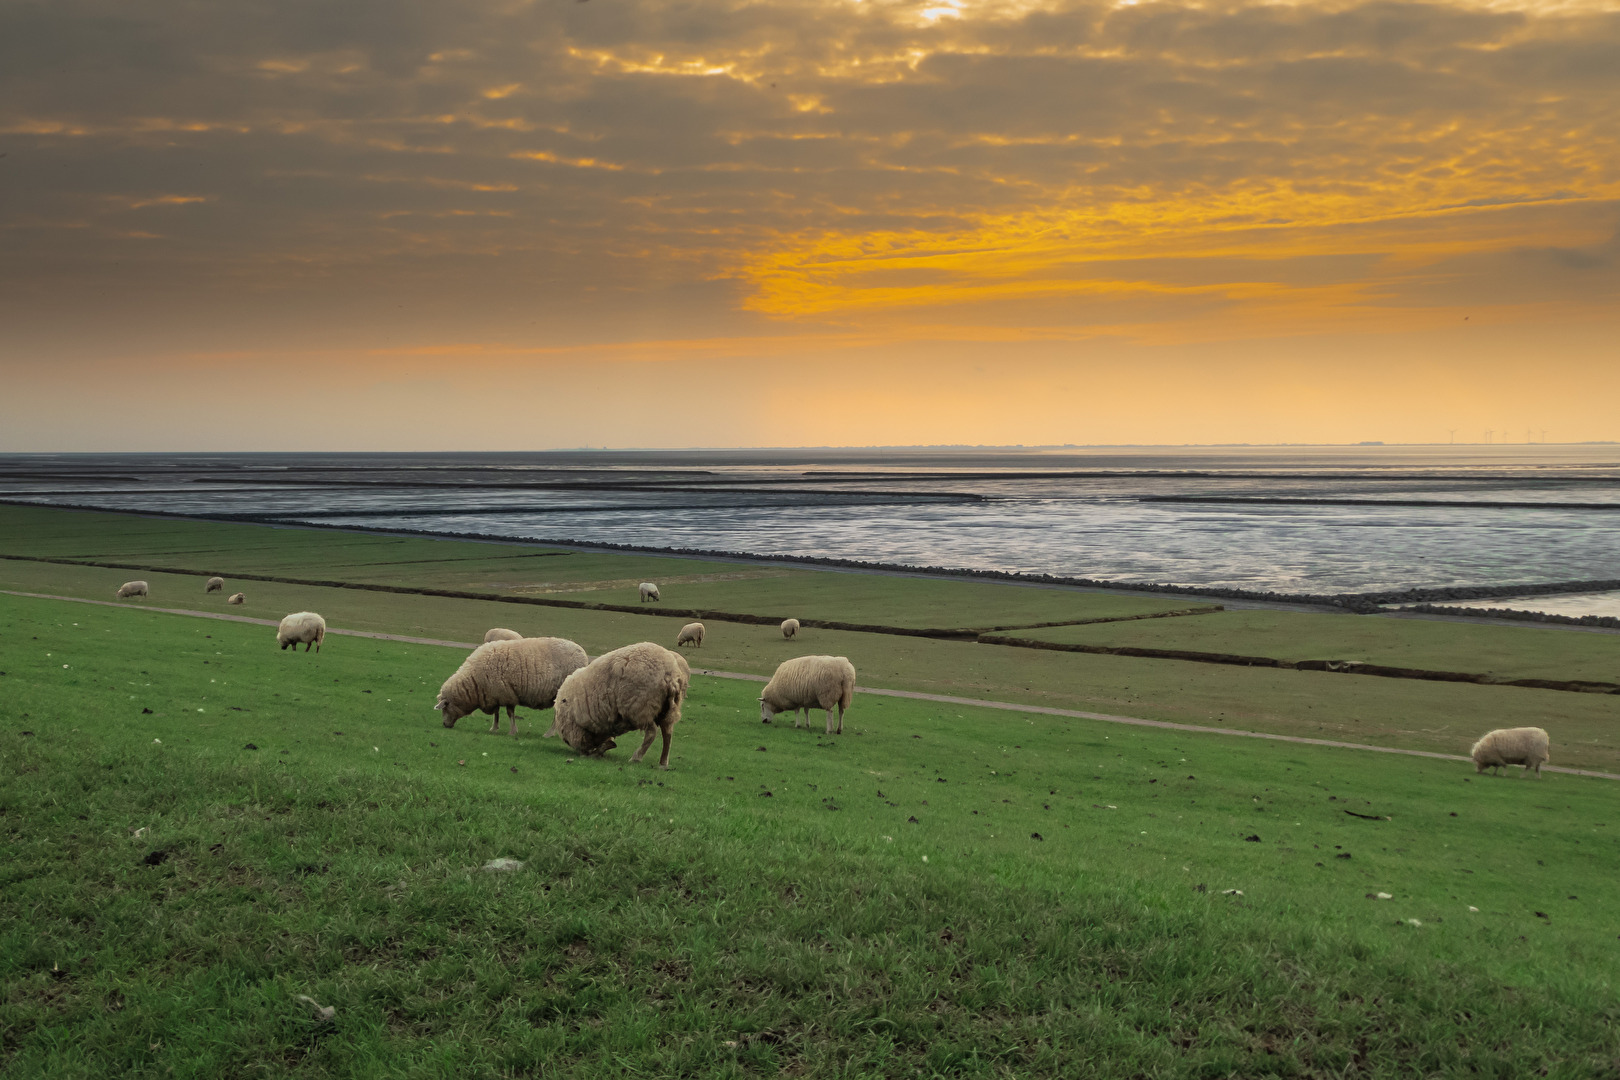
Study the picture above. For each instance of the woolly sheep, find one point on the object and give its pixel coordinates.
(131, 588)
(510, 672)
(809, 682)
(692, 632)
(1525, 746)
(237, 598)
(790, 627)
(500, 633)
(301, 627)
(215, 584)
(637, 688)
(649, 591)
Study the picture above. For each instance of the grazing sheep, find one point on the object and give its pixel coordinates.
(511, 672)
(131, 588)
(809, 682)
(500, 633)
(649, 591)
(215, 584)
(637, 688)
(237, 598)
(1525, 746)
(692, 632)
(301, 627)
(790, 627)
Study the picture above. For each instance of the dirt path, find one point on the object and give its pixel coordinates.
(915, 695)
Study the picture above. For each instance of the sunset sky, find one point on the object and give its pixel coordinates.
(423, 224)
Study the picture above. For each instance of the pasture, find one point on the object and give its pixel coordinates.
(198, 828)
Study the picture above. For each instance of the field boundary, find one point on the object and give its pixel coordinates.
(969, 634)
(914, 695)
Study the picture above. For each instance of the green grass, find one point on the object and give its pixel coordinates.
(682, 923)
(1509, 652)
(1442, 717)
(749, 588)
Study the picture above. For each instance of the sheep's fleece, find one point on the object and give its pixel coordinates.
(131, 588)
(1527, 746)
(215, 584)
(500, 633)
(809, 682)
(637, 688)
(301, 627)
(790, 627)
(511, 672)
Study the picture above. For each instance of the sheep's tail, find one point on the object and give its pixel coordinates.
(846, 693)
(674, 691)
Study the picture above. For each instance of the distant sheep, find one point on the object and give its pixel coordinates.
(215, 584)
(511, 672)
(636, 688)
(237, 598)
(131, 588)
(1525, 746)
(809, 682)
(790, 627)
(649, 591)
(301, 628)
(693, 633)
(500, 633)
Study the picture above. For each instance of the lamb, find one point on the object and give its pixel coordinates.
(1525, 746)
(692, 632)
(237, 598)
(649, 591)
(131, 588)
(790, 627)
(511, 672)
(500, 633)
(637, 688)
(301, 627)
(809, 682)
(215, 584)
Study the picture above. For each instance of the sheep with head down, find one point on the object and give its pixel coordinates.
(637, 688)
(301, 628)
(509, 673)
(790, 628)
(500, 633)
(809, 682)
(691, 634)
(215, 584)
(1527, 746)
(649, 591)
(131, 588)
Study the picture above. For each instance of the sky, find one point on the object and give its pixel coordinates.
(503, 224)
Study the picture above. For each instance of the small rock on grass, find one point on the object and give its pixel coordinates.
(316, 1009)
(496, 866)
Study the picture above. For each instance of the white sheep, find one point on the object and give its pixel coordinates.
(649, 591)
(215, 584)
(500, 633)
(1525, 746)
(237, 598)
(131, 588)
(509, 672)
(692, 632)
(637, 688)
(790, 627)
(301, 628)
(809, 682)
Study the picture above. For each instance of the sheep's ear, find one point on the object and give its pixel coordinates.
(438, 706)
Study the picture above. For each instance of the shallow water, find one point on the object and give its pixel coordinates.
(1079, 512)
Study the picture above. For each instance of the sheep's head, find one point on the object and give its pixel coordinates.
(450, 711)
(765, 711)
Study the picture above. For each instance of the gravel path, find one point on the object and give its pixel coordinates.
(914, 695)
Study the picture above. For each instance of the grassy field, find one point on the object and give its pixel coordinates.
(1504, 651)
(1058, 907)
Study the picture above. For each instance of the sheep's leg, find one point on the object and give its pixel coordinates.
(511, 721)
(646, 743)
(840, 719)
(663, 760)
(495, 720)
(829, 720)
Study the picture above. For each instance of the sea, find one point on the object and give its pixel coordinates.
(1295, 519)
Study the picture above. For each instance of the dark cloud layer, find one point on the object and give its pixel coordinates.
(453, 170)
